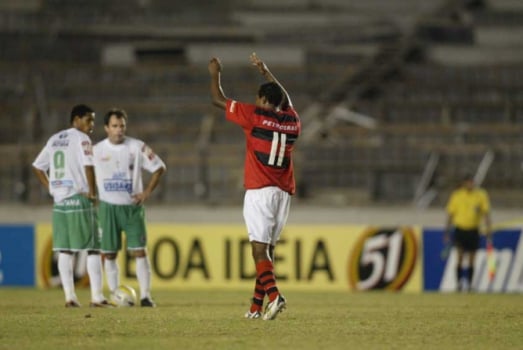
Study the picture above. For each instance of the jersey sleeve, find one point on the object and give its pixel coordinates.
(239, 113)
(150, 160)
(291, 111)
(86, 154)
(42, 161)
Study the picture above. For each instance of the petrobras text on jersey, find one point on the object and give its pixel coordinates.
(118, 185)
(281, 127)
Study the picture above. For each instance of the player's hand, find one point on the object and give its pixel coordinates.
(214, 66)
(91, 197)
(256, 61)
(139, 198)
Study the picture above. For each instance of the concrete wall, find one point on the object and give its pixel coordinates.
(300, 214)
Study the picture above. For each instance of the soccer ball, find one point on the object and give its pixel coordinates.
(124, 296)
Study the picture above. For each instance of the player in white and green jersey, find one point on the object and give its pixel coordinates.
(119, 161)
(65, 168)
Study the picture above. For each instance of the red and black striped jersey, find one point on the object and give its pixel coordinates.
(270, 137)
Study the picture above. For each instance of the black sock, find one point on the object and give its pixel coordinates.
(470, 275)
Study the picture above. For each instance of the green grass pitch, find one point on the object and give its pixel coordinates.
(37, 319)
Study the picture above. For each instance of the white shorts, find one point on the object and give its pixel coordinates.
(265, 212)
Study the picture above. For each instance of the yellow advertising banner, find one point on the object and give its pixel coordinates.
(308, 257)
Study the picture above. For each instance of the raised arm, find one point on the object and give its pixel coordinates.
(264, 70)
(218, 97)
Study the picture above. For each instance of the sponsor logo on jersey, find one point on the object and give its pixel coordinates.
(118, 185)
(86, 146)
(281, 127)
(148, 152)
(120, 175)
(71, 202)
(62, 183)
(60, 143)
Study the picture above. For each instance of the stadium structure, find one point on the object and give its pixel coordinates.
(398, 98)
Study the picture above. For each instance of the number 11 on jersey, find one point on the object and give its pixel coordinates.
(277, 149)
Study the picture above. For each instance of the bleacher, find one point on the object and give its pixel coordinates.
(364, 56)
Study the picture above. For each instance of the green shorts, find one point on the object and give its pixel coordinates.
(117, 218)
(75, 225)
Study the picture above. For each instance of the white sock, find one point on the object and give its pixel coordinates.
(112, 274)
(143, 274)
(65, 269)
(94, 270)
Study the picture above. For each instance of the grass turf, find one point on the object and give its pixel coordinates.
(37, 319)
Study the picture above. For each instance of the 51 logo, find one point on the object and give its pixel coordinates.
(383, 258)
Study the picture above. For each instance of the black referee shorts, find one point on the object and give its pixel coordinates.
(468, 240)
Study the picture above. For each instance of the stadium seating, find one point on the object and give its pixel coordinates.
(422, 95)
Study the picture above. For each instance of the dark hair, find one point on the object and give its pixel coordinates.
(119, 113)
(80, 111)
(467, 177)
(272, 92)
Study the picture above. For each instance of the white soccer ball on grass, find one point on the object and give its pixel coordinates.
(124, 296)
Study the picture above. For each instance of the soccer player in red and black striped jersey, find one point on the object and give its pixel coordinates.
(271, 127)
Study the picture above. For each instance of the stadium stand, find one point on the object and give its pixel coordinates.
(398, 97)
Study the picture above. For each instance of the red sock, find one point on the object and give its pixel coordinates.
(257, 299)
(265, 274)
